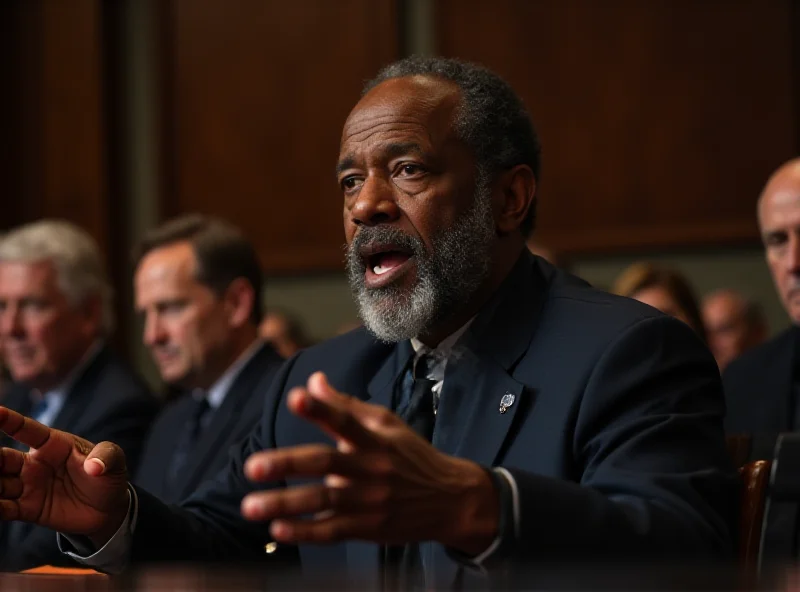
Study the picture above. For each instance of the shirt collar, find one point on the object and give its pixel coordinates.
(216, 394)
(445, 347)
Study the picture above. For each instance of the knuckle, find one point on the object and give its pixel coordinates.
(320, 459)
(384, 418)
(383, 466)
(278, 504)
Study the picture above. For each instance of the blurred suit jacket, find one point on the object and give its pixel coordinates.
(758, 388)
(614, 438)
(231, 422)
(107, 401)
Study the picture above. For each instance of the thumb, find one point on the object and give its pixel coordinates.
(105, 458)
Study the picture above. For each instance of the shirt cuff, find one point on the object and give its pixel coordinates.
(509, 526)
(113, 556)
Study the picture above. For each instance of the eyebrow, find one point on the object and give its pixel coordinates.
(390, 151)
(344, 164)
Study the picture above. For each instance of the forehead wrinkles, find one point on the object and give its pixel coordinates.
(366, 128)
(778, 204)
(392, 108)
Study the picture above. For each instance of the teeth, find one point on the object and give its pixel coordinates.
(380, 269)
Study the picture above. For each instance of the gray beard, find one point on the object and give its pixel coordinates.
(448, 276)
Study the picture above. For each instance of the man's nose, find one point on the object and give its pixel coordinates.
(793, 253)
(375, 203)
(153, 330)
(11, 322)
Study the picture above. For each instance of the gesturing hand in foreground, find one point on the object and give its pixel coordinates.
(64, 482)
(382, 482)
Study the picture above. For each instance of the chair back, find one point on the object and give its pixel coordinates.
(755, 481)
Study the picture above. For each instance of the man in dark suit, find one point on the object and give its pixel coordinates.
(198, 284)
(55, 314)
(537, 420)
(762, 387)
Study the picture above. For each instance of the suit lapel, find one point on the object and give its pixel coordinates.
(381, 389)
(479, 374)
(79, 396)
(225, 418)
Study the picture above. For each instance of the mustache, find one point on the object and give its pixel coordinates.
(164, 349)
(369, 235)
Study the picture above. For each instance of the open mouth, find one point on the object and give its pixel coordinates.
(385, 263)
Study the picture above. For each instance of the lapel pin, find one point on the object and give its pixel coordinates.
(506, 402)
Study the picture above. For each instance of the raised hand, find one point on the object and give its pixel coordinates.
(382, 482)
(64, 482)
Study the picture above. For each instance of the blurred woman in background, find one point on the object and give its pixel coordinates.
(662, 288)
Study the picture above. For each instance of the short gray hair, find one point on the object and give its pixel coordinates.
(75, 255)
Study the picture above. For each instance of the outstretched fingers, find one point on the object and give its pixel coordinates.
(24, 429)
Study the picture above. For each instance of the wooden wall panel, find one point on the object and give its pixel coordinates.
(56, 141)
(55, 146)
(660, 120)
(256, 93)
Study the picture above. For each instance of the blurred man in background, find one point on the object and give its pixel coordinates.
(55, 316)
(734, 325)
(198, 286)
(284, 332)
(763, 385)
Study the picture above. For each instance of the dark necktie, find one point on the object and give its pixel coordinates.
(419, 414)
(198, 417)
(403, 562)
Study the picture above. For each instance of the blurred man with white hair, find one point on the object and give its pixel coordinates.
(55, 315)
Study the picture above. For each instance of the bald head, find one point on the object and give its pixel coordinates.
(734, 324)
(782, 188)
(779, 223)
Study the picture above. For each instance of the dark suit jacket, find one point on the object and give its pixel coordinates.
(233, 421)
(106, 402)
(615, 437)
(758, 387)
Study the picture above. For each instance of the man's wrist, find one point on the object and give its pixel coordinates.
(112, 524)
(477, 518)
